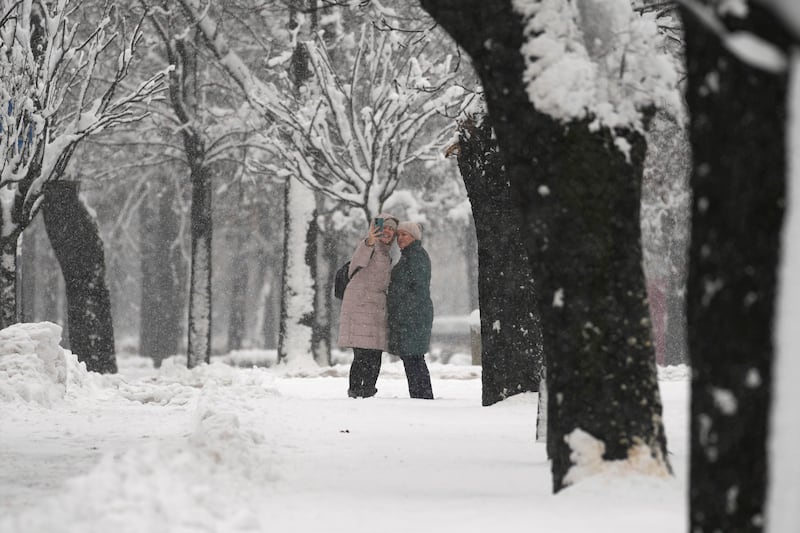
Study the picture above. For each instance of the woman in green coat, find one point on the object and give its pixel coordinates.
(410, 309)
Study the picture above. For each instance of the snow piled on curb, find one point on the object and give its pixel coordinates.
(33, 367)
(203, 483)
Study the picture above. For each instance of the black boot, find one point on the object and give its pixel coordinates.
(418, 376)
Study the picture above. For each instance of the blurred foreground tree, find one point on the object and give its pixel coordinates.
(737, 96)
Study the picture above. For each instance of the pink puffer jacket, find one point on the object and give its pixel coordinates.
(362, 322)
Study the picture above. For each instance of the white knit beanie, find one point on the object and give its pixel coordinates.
(389, 220)
(412, 228)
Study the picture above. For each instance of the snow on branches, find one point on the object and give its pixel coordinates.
(361, 124)
(58, 86)
(596, 59)
(355, 124)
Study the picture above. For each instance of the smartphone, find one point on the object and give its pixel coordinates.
(379, 224)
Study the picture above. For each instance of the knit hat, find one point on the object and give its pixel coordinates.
(389, 220)
(412, 228)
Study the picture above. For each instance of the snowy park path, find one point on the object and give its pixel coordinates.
(227, 450)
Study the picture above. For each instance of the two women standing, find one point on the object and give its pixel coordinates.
(388, 309)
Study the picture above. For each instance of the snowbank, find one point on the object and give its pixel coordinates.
(33, 367)
(202, 483)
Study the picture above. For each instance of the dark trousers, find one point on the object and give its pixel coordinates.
(364, 372)
(418, 376)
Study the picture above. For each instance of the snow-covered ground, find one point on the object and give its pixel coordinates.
(227, 449)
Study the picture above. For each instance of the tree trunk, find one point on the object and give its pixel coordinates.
(163, 276)
(580, 200)
(75, 239)
(239, 269)
(541, 412)
(240, 276)
(323, 304)
(199, 325)
(271, 308)
(676, 351)
(14, 218)
(471, 262)
(26, 277)
(738, 133)
(8, 280)
(297, 294)
(511, 335)
(298, 297)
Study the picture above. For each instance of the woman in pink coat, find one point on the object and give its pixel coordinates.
(362, 322)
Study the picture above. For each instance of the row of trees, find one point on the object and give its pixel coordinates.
(578, 186)
(335, 111)
(54, 95)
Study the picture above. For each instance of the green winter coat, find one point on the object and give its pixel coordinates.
(409, 302)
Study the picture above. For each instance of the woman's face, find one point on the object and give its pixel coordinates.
(388, 235)
(404, 238)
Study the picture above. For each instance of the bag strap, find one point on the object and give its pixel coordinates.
(359, 268)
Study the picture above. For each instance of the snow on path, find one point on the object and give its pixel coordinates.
(220, 449)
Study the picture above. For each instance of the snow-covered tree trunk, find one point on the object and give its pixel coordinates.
(199, 324)
(738, 133)
(75, 238)
(185, 92)
(541, 412)
(163, 275)
(297, 295)
(323, 305)
(578, 185)
(26, 276)
(13, 221)
(665, 230)
(511, 335)
(8, 280)
(296, 339)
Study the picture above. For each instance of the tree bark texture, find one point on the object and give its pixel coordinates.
(271, 302)
(239, 269)
(738, 117)
(75, 239)
(323, 304)
(199, 325)
(511, 335)
(163, 275)
(26, 277)
(15, 216)
(8, 280)
(580, 201)
(10, 231)
(240, 274)
(184, 93)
